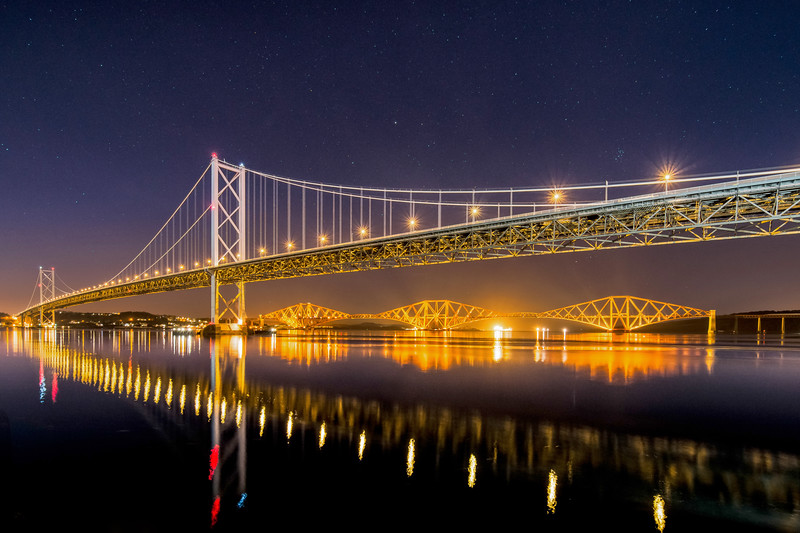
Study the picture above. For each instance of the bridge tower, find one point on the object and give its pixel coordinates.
(47, 291)
(227, 239)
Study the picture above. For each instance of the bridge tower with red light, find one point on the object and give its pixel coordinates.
(47, 291)
(228, 231)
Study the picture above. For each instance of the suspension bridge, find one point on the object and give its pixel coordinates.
(237, 226)
(613, 313)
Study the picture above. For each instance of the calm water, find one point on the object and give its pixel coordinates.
(145, 431)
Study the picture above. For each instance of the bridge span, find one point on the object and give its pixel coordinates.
(261, 227)
(612, 313)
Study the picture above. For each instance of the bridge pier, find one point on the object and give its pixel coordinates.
(228, 316)
(759, 317)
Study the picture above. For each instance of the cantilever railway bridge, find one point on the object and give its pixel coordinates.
(613, 313)
(260, 227)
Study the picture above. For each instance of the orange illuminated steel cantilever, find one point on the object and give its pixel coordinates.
(613, 313)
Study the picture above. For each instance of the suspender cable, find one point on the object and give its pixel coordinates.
(288, 213)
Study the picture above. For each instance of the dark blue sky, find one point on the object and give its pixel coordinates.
(109, 112)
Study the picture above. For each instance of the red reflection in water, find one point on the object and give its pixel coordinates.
(214, 511)
(54, 392)
(214, 460)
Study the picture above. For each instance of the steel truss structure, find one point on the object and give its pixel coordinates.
(625, 313)
(436, 314)
(613, 313)
(304, 316)
(758, 207)
(752, 208)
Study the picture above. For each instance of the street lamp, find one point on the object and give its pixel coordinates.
(667, 172)
(474, 212)
(666, 179)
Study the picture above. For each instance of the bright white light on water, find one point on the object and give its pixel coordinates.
(262, 418)
(473, 467)
(322, 435)
(362, 443)
(552, 482)
(410, 458)
(658, 512)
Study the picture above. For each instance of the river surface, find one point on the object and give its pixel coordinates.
(149, 431)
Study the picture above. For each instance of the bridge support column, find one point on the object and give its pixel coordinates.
(227, 308)
(47, 291)
(712, 322)
(228, 219)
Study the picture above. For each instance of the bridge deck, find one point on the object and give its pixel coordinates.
(755, 207)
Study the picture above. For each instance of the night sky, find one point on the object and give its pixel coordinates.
(109, 113)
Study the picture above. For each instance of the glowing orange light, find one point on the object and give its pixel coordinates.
(667, 173)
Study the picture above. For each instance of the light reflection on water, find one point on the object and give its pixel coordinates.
(548, 421)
